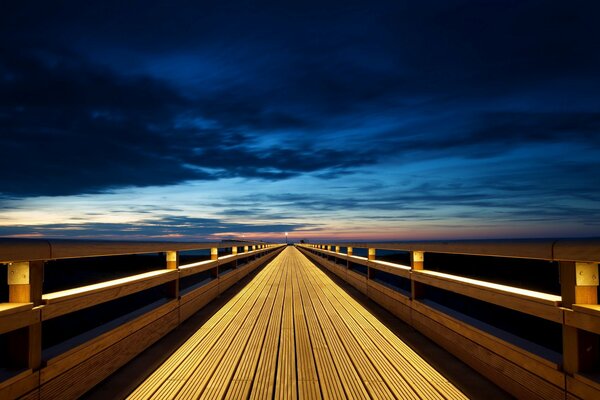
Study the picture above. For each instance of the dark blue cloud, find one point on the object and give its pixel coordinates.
(170, 227)
(86, 129)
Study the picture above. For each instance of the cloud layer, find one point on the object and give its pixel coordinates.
(439, 110)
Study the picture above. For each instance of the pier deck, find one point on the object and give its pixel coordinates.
(294, 333)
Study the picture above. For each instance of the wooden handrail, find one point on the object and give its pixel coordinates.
(543, 249)
(71, 300)
(51, 249)
(542, 305)
(12, 308)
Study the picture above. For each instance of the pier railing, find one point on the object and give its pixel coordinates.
(523, 313)
(30, 369)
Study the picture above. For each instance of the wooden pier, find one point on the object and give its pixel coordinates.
(293, 333)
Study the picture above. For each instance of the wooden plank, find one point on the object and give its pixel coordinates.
(399, 308)
(17, 320)
(524, 248)
(585, 250)
(519, 382)
(78, 380)
(542, 367)
(68, 301)
(263, 382)
(380, 378)
(195, 268)
(19, 385)
(41, 249)
(71, 358)
(388, 291)
(228, 280)
(404, 379)
(308, 379)
(170, 377)
(581, 388)
(12, 250)
(390, 268)
(538, 297)
(591, 309)
(195, 304)
(13, 308)
(349, 376)
(539, 304)
(357, 280)
(468, 357)
(581, 319)
(204, 337)
(241, 382)
(33, 395)
(246, 344)
(192, 294)
(286, 379)
(399, 353)
(225, 364)
(591, 379)
(422, 374)
(329, 380)
(88, 248)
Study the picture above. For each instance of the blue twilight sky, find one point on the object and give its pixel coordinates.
(329, 119)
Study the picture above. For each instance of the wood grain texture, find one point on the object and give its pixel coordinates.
(541, 305)
(19, 385)
(77, 355)
(79, 379)
(292, 333)
(391, 268)
(46, 249)
(583, 388)
(68, 301)
(12, 308)
(529, 361)
(19, 319)
(522, 373)
(72, 367)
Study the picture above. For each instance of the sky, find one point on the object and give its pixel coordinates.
(329, 120)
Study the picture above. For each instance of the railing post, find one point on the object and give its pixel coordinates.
(214, 253)
(234, 251)
(417, 259)
(245, 249)
(372, 253)
(579, 285)
(173, 263)
(337, 249)
(25, 280)
(349, 252)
